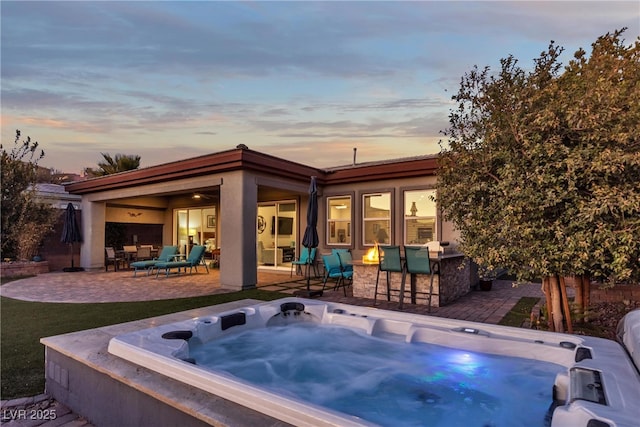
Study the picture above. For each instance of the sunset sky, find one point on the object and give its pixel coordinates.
(306, 81)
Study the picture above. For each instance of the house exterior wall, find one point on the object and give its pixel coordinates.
(445, 231)
(139, 215)
(240, 179)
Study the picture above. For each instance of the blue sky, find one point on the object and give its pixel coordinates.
(306, 81)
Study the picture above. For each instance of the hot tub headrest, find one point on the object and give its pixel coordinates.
(287, 306)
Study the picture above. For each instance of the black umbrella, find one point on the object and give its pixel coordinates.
(310, 239)
(71, 233)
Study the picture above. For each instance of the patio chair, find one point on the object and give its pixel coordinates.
(305, 259)
(337, 251)
(390, 262)
(346, 264)
(166, 255)
(417, 262)
(195, 258)
(333, 270)
(346, 260)
(112, 258)
(130, 252)
(143, 253)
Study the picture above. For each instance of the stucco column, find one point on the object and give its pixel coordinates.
(93, 221)
(238, 213)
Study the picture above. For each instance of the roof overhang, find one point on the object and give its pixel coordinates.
(225, 161)
(390, 169)
(246, 159)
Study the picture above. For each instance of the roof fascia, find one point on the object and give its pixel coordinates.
(245, 159)
(238, 159)
(391, 170)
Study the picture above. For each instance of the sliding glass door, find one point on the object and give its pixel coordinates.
(195, 227)
(276, 234)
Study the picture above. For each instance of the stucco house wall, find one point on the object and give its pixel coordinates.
(236, 181)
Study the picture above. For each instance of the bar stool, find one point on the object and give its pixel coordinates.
(390, 262)
(417, 262)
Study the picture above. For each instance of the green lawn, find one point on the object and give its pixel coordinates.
(520, 312)
(23, 323)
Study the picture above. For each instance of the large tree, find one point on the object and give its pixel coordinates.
(110, 165)
(25, 221)
(541, 169)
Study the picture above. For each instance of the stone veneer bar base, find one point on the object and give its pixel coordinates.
(109, 391)
(455, 280)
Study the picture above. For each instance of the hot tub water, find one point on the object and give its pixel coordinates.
(385, 382)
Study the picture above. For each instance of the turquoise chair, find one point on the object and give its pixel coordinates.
(194, 259)
(390, 262)
(305, 259)
(345, 255)
(416, 262)
(165, 255)
(346, 264)
(337, 251)
(333, 270)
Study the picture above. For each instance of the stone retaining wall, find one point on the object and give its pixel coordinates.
(26, 268)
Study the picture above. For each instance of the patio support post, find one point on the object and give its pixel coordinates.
(92, 222)
(238, 213)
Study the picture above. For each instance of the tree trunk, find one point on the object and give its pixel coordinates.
(586, 295)
(565, 304)
(547, 295)
(556, 304)
(579, 301)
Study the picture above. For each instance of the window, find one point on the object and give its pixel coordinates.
(339, 220)
(376, 219)
(419, 217)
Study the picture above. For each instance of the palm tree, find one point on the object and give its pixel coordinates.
(111, 165)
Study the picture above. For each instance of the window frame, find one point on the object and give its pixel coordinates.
(364, 219)
(406, 215)
(348, 221)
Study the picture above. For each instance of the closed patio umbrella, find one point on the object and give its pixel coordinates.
(71, 234)
(310, 239)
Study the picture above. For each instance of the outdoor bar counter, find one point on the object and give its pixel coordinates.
(455, 279)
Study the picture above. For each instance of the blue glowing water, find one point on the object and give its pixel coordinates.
(386, 382)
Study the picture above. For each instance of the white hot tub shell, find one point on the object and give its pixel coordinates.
(598, 382)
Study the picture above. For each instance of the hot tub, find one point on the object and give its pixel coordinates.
(586, 381)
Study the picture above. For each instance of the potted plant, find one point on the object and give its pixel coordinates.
(487, 276)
